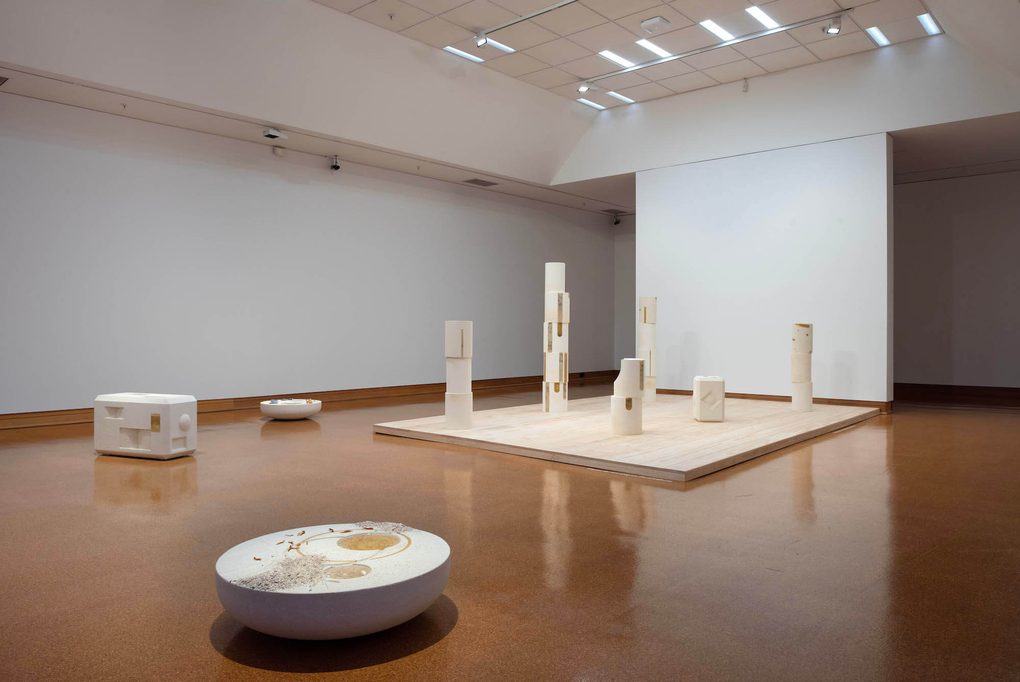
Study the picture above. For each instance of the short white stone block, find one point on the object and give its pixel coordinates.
(649, 396)
(555, 337)
(625, 415)
(709, 399)
(557, 307)
(651, 358)
(555, 368)
(800, 367)
(645, 335)
(459, 407)
(802, 338)
(555, 276)
(630, 382)
(647, 309)
(458, 375)
(148, 425)
(554, 396)
(458, 338)
(802, 396)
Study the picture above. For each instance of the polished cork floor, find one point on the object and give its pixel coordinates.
(887, 551)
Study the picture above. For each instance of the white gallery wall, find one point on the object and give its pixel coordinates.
(739, 249)
(958, 281)
(138, 257)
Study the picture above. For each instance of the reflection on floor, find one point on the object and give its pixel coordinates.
(885, 552)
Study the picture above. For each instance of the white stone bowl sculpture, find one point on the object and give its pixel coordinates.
(290, 408)
(332, 582)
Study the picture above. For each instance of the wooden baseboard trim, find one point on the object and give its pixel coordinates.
(963, 396)
(84, 415)
(883, 407)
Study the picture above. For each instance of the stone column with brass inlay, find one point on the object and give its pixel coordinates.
(555, 365)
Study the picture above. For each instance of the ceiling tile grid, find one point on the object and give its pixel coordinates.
(559, 50)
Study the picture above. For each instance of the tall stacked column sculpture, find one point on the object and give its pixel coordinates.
(800, 363)
(555, 336)
(458, 374)
(647, 311)
(625, 407)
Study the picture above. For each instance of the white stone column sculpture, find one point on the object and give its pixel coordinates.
(646, 350)
(555, 366)
(625, 406)
(709, 399)
(800, 365)
(458, 374)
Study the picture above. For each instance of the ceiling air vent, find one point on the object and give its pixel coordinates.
(478, 182)
(2, 80)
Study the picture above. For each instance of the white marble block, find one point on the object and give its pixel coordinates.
(802, 399)
(148, 425)
(647, 309)
(800, 365)
(555, 337)
(458, 375)
(802, 334)
(630, 382)
(651, 358)
(458, 338)
(555, 276)
(554, 396)
(555, 368)
(625, 415)
(458, 410)
(649, 396)
(709, 399)
(557, 307)
(645, 335)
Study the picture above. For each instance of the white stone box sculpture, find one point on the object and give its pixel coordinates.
(459, 399)
(802, 390)
(555, 339)
(147, 425)
(646, 348)
(709, 399)
(626, 404)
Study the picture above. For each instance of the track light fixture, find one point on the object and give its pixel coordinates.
(834, 26)
(481, 39)
(585, 87)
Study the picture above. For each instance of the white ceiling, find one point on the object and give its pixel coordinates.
(596, 195)
(977, 146)
(558, 50)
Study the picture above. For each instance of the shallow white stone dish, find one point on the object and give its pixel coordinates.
(377, 575)
(290, 408)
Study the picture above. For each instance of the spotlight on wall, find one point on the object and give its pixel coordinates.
(334, 163)
(585, 87)
(481, 40)
(834, 26)
(274, 134)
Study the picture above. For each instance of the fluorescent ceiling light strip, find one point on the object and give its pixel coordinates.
(500, 46)
(929, 24)
(620, 97)
(582, 100)
(616, 58)
(652, 47)
(878, 36)
(717, 29)
(463, 54)
(766, 20)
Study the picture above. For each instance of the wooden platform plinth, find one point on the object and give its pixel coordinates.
(673, 446)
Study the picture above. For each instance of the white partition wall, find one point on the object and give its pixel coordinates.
(736, 248)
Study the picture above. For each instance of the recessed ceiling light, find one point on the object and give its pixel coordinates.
(766, 20)
(582, 100)
(929, 24)
(620, 97)
(878, 36)
(717, 29)
(461, 53)
(616, 58)
(500, 46)
(652, 47)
